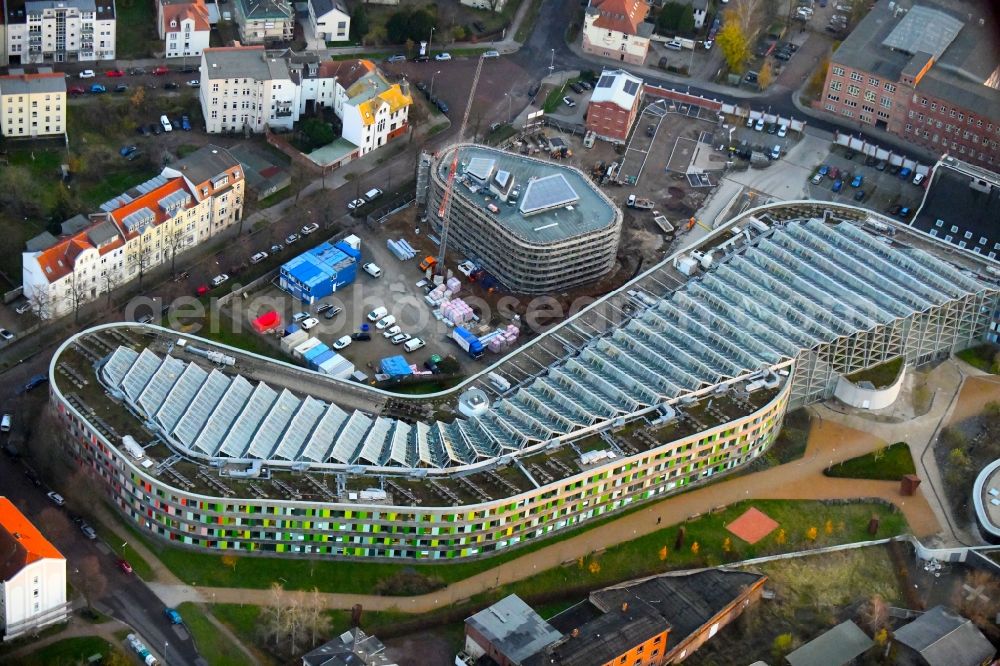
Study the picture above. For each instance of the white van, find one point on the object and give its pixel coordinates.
(373, 193)
(5, 423)
(413, 344)
(377, 314)
(674, 45)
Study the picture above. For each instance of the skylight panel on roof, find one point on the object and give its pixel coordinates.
(546, 193)
(606, 81)
(924, 29)
(480, 168)
(139, 220)
(631, 87)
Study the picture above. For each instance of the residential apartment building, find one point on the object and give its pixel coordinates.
(32, 576)
(41, 31)
(925, 72)
(188, 203)
(264, 21)
(33, 105)
(617, 29)
(614, 105)
(329, 20)
(184, 27)
(245, 88)
(372, 110)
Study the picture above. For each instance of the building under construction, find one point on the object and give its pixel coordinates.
(537, 227)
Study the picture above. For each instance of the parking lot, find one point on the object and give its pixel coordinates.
(395, 290)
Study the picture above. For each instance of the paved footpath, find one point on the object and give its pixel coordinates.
(801, 479)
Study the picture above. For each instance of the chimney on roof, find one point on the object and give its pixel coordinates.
(17, 535)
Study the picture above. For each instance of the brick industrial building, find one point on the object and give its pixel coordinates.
(925, 72)
(614, 105)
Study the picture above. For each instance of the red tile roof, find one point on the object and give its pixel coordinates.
(620, 15)
(20, 542)
(349, 71)
(151, 201)
(195, 11)
(57, 261)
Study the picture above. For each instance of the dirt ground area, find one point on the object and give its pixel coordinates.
(426, 648)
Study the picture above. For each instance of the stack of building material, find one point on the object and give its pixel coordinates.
(437, 296)
(454, 285)
(456, 311)
(294, 336)
(400, 249)
(502, 339)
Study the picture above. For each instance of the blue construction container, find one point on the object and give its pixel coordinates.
(320, 271)
(395, 366)
(316, 361)
(314, 352)
(291, 329)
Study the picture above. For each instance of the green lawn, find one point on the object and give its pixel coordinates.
(217, 649)
(113, 184)
(881, 375)
(980, 357)
(893, 463)
(136, 37)
(68, 652)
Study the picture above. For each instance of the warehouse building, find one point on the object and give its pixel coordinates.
(671, 380)
(322, 270)
(536, 226)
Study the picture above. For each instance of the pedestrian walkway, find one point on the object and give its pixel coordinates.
(829, 443)
(75, 628)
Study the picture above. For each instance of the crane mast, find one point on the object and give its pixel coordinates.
(444, 210)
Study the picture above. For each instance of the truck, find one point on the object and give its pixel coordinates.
(428, 262)
(638, 202)
(469, 343)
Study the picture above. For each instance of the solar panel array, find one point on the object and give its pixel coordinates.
(631, 87)
(605, 81)
(752, 311)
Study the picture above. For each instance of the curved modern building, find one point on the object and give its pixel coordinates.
(537, 226)
(679, 376)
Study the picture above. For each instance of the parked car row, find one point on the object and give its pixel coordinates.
(368, 197)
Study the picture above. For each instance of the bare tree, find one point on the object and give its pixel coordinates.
(175, 242)
(83, 490)
(93, 583)
(110, 280)
(54, 524)
(745, 11)
(40, 303)
(315, 620)
(274, 614)
(77, 293)
(875, 613)
(142, 260)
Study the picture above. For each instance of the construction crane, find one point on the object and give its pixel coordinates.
(444, 210)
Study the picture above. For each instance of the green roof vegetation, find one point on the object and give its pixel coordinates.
(891, 463)
(982, 357)
(881, 375)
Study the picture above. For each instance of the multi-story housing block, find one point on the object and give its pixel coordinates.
(60, 30)
(184, 27)
(32, 576)
(191, 201)
(548, 230)
(264, 21)
(33, 105)
(330, 20)
(246, 88)
(614, 105)
(617, 29)
(926, 72)
(372, 110)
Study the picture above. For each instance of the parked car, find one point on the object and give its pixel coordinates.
(816, 179)
(291, 238)
(568, 101)
(165, 123)
(413, 345)
(391, 331)
(674, 45)
(834, 173)
(442, 56)
(823, 169)
(88, 531)
(306, 324)
(372, 269)
(219, 279)
(859, 195)
(905, 173)
(76, 91)
(361, 335)
(399, 57)
(185, 123)
(276, 248)
(784, 56)
(857, 180)
(300, 316)
(121, 87)
(575, 87)
(87, 74)
(355, 203)
(171, 86)
(56, 498)
(98, 89)
(35, 382)
(782, 130)
(385, 322)
(173, 616)
(904, 212)
(880, 165)
(114, 73)
(775, 152)
(161, 70)
(759, 125)
(23, 307)
(585, 84)
(491, 54)
(124, 566)
(838, 185)
(332, 312)
(258, 257)
(342, 342)
(400, 338)
(919, 179)
(194, 83)
(442, 106)
(421, 58)
(6, 335)
(156, 129)
(125, 151)
(312, 227)
(377, 313)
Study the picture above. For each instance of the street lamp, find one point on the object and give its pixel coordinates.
(165, 644)
(552, 62)
(432, 82)
(430, 40)
(507, 95)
